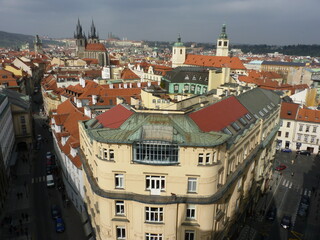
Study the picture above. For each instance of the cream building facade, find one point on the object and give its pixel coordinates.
(179, 174)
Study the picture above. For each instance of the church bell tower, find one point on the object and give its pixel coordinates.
(178, 53)
(81, 40)
(223, 43)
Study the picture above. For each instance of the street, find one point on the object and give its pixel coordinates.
(299, 180)
(28, 205)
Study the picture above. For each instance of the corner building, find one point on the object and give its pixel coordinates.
(189, 174)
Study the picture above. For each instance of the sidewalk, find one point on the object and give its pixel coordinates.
(16, 220)
(251, 227)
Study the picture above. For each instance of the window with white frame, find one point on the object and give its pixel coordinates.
(111, 154)
(313, 138)
(191, 211)
(306, 138)
(200, 158)
(119, 207)
(300, 127)
(192, 185)
(189, 235)
(155, 182)
(307, 128)
(314, 129)
(121, 232)
(119, 180)
(154, 236)
(299, 137)
(208, 158)
(154, 214)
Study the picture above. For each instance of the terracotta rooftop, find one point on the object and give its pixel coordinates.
(224, 113)
(289, 110)
(214, 61)
(96, 47)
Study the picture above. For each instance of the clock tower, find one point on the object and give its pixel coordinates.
(223, 43)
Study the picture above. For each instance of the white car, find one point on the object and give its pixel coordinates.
(50, 181)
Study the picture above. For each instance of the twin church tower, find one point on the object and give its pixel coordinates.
(179, 50)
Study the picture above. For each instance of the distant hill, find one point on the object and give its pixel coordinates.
(16, 40)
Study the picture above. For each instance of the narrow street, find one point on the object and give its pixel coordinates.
(299, 180)
(28, 205)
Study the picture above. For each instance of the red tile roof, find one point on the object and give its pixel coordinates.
(308, 115)
(115, 117)
(96, 47)
(214, 61)
(128, 74)
(289, 110)
(219, 115)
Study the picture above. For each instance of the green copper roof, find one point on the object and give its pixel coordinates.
(223, 34)
(179, 43)
(178, 129)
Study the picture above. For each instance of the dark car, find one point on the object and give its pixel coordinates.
(55, 212)
(304, 152)
(286, 222)
(49, 169)
(302, 211)
(60, 225)
(271, 214)
(287, 150)
(281, 167)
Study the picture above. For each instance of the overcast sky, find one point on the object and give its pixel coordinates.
(248, 21)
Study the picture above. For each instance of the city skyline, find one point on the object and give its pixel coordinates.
(248, 21)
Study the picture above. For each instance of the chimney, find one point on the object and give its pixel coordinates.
(82, 82)
(94, 99)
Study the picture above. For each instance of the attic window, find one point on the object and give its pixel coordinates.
(243, 122)
(186, 77)
(248, 116)
(227, 131)
(261, 113)
(289, 112)
(268, 106)
(272, 104)
(265, 110)
(235, 126)
(194, 78)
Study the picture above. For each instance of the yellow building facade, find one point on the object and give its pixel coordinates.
(177, 175)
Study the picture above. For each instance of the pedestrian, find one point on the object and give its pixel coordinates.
(292, 173)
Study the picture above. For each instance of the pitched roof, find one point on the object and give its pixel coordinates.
(128, 74)
(289, 110)
(214, 61)
(219, 115)
(115, 117)
(96, 47)
(308, 115)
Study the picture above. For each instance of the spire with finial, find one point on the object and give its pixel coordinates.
(78, 33)
(178, 43)
(223, 34)
(93, 33)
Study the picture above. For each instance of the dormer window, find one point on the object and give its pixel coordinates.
(289, 112)
(235, 126)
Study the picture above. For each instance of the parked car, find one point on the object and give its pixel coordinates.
(55, 211)
(60, 225)
(302, 212)
(271, 214)
(39, 137)
(304, 152)
(281, 167)
(50, 181)
(286, 222)
(287, 150)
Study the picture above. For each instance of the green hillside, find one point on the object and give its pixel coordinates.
(16, 40)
